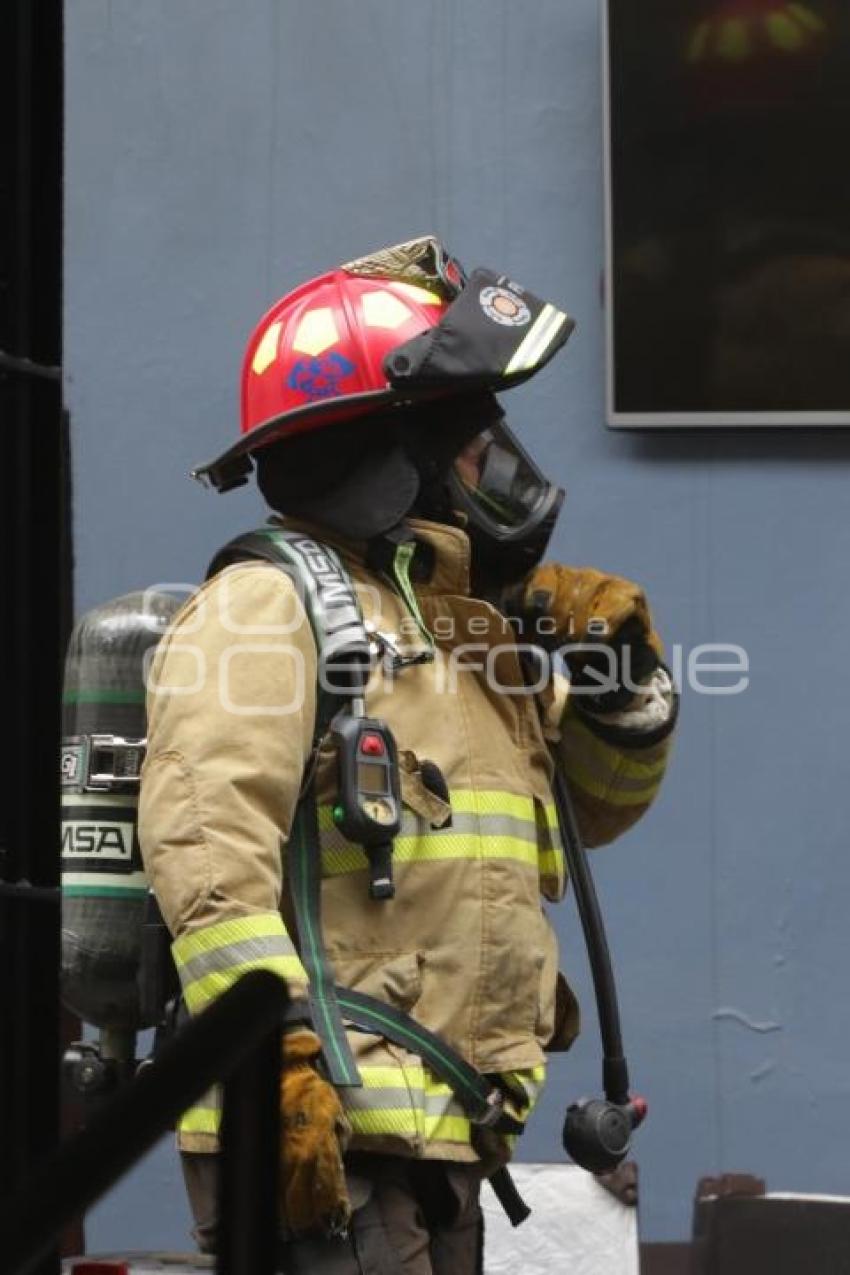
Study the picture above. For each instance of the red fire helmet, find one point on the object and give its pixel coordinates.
(397, 327)
(316, 357)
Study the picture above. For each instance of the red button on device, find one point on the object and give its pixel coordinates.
(372, 746)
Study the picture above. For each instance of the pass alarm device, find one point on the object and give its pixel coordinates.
(368, 804)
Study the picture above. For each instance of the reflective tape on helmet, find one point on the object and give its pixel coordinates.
(541, 335)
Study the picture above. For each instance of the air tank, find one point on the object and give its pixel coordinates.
(104, 889)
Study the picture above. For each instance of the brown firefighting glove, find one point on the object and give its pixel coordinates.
(313, 1135)
(588, 608)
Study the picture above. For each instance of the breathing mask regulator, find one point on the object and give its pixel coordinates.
(508, 506)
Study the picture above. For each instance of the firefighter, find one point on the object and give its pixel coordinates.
(368, 410)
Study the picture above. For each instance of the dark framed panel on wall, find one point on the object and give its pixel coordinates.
(727, 135)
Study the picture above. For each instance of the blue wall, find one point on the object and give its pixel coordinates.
(217, 155)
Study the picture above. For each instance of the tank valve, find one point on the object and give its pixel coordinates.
(88, 1072)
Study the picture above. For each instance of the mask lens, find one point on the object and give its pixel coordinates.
(499, 481)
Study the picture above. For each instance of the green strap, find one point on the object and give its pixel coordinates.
(474, 1092)
(401, 574)
(335, 619)
(305, 889)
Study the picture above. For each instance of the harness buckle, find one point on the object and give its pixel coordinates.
(495, 1109)
(386, 646)
(113, 763)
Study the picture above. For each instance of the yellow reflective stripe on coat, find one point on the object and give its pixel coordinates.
(605, 759)
(530, 1083)
(607, 773)
(210, 960)
(553, 868)
(407, 1101)
(485, 825)
(404, 1101)
(204, 1118)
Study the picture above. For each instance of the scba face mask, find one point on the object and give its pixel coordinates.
(509, 505)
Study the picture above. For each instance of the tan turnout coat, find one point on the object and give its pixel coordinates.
(465, 946)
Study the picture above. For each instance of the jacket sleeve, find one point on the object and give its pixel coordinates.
(231, 709)
(613, 770)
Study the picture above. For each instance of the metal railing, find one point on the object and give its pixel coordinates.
(236, 1040)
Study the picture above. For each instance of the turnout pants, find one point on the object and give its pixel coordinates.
(411, 1217)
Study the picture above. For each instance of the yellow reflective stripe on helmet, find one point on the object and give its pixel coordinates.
(266, 352)
(419, 294)
(210, 960)
(541, 335)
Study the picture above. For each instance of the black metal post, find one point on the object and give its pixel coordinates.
(244, 1020)
(34, 582)
(250, 1159)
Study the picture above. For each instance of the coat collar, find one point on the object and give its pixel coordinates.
(450, 552)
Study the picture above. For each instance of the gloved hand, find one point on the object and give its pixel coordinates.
(314, 1133)
(589, 608)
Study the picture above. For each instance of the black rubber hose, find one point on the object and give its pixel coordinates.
(614, 1067)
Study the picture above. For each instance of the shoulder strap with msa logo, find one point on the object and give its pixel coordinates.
(342, 644)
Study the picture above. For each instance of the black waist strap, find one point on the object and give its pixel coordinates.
(509, 1197)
